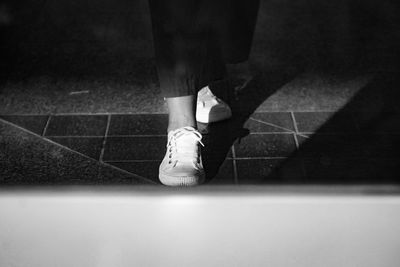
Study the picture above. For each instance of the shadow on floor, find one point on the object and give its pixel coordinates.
(219, 137)
(339, 153)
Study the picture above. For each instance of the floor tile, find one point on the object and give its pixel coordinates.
(143, 124)
(333, 145)
(352, 170)
(269, 171)
(135, 148)
(350, 146)
(218, 138)
(215, 147)
(303, 138)
(111, 176)
(77, 125)
(382, 145)
(33, 123)
(26, 159)
(270, 122)
(378, 122)
(150, 169)
(265, 145)
(147, 169)
(325, 122)
(219, 174)
(89, 146)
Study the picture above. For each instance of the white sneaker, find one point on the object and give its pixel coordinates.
(182, 164)
(210, 108)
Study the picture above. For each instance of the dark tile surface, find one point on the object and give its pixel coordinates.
(325, 122)
(219, 174)
(89, 146)
(269, 171)
(265, 145)
(218, 138)
(378, 122)
(110, 176)
(302, 139)
(149, 169)
(143, 124)
(77, 125)
(26, 159)
(352, 170)
(216, 147)
(135, 148)
(350, 146)
(382, 145)
(270, 122)
(146, 169)
(328, 156)
(34, 123)
(333, 145)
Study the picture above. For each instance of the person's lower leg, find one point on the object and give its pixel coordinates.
(182, 112)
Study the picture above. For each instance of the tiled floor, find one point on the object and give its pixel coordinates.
(29, 159)
(317, 102)
(269, 148)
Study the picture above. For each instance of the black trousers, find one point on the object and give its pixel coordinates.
(194, 39)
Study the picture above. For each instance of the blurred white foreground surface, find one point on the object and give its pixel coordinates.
(202, 227)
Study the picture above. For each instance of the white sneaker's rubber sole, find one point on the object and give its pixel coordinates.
(169, 180)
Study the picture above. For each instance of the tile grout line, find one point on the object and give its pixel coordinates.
(75, 136)
(273, 125)
(235, 175)
(296, 130)
(100, 136)
(87, 114)
(303, 168)
(46, 126)
(103, 146)
(288, 131)
(294, 122)
(76, 152)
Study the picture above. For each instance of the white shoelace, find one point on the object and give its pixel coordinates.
(182, 146)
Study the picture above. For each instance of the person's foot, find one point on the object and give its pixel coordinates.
(210, 108)
(182, 164)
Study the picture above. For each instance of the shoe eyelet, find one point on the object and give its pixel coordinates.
(169, 162)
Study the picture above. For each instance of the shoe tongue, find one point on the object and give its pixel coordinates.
(184, 133)
(186, 137)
